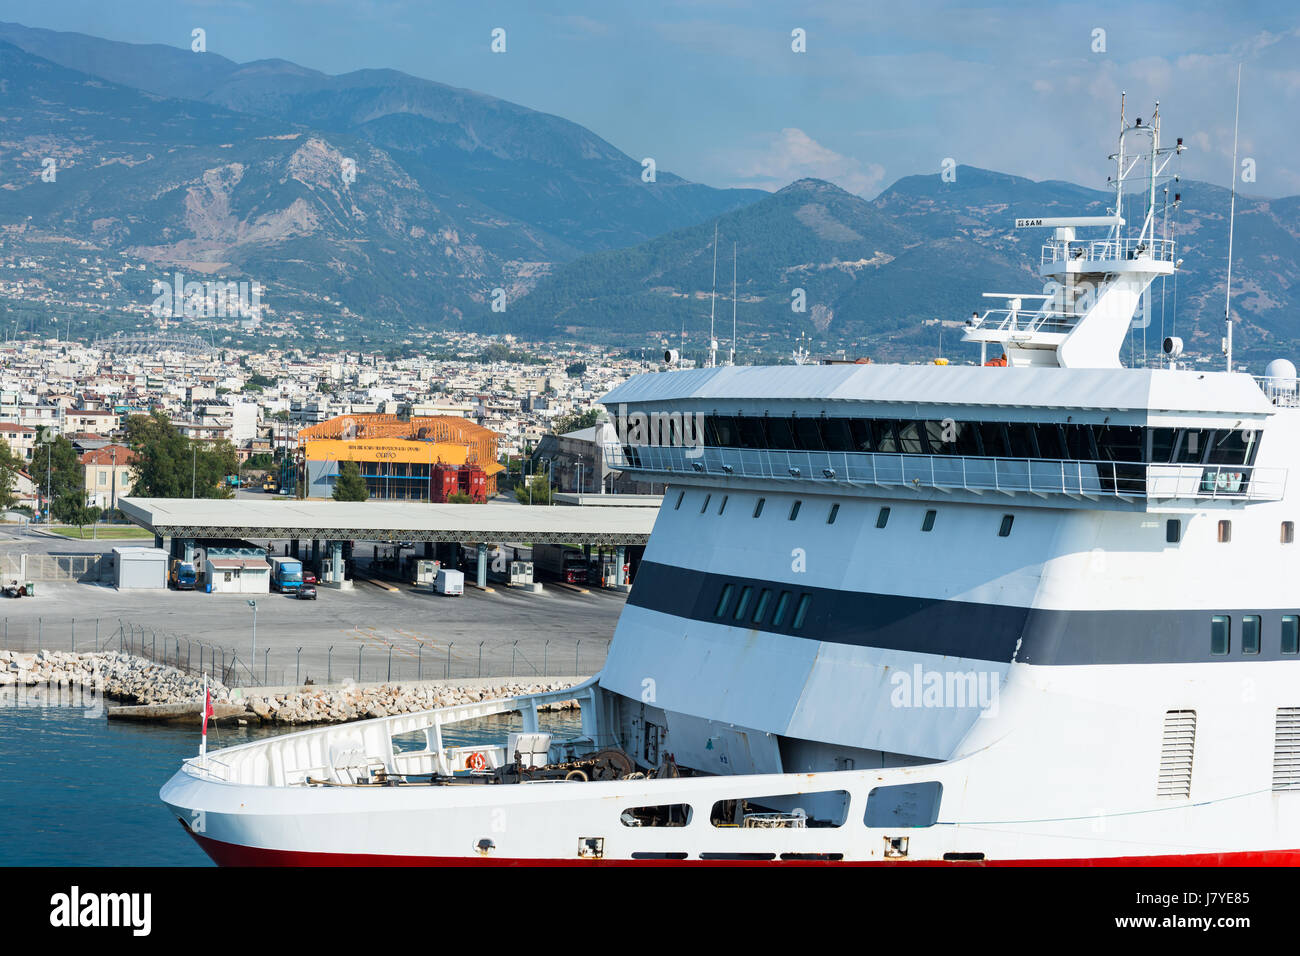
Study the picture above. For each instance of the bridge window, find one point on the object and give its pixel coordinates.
(782, 606)
(723, 507)
(1079, 442)
(1220, 634)
(1051, 441)
(705, 507)
(779, 433)
(1119, 442)
(1192, 445)
(801, 611)
(1250, 634)
(882, 519)
(1290, 634)
(836, 435)
(1174, 530)
(794, 509)
(751, 432)
(742, 605)
(860, 428)
(808, 435)
(927, 523)
(1163, 443)
(934, 438)
(1288, 532)
(835, 510)
(910, 440)
(760, 609)
(680, 496)
(1022, 441)
(758, 507)
(1026, 440)
(1004, 530)
(993, 436)
(1231, 447)
(884, 437)
(724, 599)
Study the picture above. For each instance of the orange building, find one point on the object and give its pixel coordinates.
(420, 459)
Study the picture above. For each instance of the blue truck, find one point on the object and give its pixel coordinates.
(286, 574)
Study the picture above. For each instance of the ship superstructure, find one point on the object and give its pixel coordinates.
(1035, 612)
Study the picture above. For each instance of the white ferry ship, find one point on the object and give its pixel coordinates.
(1039, 611)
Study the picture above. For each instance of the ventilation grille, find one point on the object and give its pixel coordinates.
(1176, 750)
(1286, 749)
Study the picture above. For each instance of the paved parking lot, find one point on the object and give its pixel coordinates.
(556, 632)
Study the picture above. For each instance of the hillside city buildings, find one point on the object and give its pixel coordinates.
(262, 401)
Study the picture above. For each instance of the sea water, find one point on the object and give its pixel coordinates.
(77, 789)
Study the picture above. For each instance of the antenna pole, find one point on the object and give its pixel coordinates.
(1232, 215)
(713, 302)
(1119, 168)
(733, 303)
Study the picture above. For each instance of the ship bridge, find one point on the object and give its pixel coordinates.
(1114, 438)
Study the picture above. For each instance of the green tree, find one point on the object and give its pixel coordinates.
(56, 470)
(459, 498)
(350, 486)
(169, 465)
(540, 493)
(10, 465)
(72, 509)
(576, 421)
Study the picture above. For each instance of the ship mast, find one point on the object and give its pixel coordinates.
(1232, 216)
(733, 305)
(1094, 288)
(713, 302)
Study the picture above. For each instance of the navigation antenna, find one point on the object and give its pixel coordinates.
(800, 354)
(713, 302)
(1232, 215)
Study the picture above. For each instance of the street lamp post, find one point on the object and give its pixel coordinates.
(253, 657)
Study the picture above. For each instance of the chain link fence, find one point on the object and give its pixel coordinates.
(364, 656)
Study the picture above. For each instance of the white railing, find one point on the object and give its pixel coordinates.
(342, 752)
(1107, 250)
(1079, 479)
(1024, 320)
(1280, 391)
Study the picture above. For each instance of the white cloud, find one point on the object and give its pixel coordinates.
(793, 154)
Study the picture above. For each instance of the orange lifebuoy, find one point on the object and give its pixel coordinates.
(476, 761)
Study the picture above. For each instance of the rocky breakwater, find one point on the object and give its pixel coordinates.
(119, 676)
(156, 690)
(352, 702)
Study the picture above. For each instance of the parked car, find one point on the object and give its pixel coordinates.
(307, 592)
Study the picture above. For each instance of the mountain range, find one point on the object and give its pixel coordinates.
(396, 195)
(410, 201)
(877, 274)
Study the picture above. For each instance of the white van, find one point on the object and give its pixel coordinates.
(450, 582)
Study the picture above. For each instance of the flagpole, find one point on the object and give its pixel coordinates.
(207, 709)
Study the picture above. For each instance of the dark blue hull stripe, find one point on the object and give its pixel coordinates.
(966, 629)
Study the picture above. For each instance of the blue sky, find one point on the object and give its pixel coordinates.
(712, 90)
